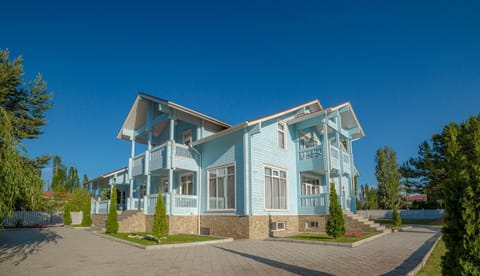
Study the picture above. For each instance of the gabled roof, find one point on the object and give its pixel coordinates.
(132, 122)
(315, 104)
(348, 121)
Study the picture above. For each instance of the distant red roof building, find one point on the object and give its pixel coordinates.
(413, 198)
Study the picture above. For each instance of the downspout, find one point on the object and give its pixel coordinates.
(199, 192)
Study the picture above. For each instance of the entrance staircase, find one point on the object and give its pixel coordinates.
(354, 222)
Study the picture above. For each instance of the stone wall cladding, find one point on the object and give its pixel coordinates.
(236, 227)
(99, 219)
(304, 219)
(182, 224)
(134, 223)
(292, 225)
(258, 227)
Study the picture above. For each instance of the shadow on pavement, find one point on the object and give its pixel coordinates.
(288, 267)
(414, 259)
(18, 245)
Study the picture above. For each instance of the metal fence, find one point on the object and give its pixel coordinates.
(429, 214)
(33, 218)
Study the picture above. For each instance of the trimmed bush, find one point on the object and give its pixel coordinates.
(67, 218)
(160, 224)
(335, 222)
(87, 208)
(112, 220)
(397, 220)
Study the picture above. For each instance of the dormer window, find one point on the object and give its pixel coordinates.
(187, 137)
(281, 135)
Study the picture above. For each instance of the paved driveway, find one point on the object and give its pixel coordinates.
(65, 251)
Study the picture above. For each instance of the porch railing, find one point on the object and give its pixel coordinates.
(158, 156)
(185, 201)
(102, 207)
(346, 162)
(313, 204)
(182, 204)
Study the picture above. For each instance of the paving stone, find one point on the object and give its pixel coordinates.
(65, 251)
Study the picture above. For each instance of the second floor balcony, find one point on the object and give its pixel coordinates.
(313, 158)
(165, 156)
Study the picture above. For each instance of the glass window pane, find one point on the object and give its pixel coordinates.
(230, 170)
(268, 192)
(231, 192)
(283, 174)
(268, 171)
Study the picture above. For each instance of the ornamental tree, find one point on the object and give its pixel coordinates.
(335, 222)
(160, 223)
(112, 220)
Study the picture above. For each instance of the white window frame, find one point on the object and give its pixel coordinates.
(234, 165)
(276, 224)
(274, 168)
(282, 132)
(187, 137)
(180, 190)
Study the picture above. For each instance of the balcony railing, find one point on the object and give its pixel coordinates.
(310, 153)
(313, 204)
(138, 164)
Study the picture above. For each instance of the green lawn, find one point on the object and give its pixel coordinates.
(412, 221)
(326, 238)
(180, 238)
(434, 264)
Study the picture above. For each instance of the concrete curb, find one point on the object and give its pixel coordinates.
(340, 244)
(77, 227)
(164, 246)
(425, 258)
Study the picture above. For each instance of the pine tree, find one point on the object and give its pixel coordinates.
(160, 224)
(112, 220)
(335, 222)
(461, 231)
(25, 102)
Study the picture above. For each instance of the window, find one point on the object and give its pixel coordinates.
(187, 137)
(186, 184)
(163, 185)
(281, 135)
(221, 188)
(310, 186)
(311, 224)
(275, 189)
(279, 226)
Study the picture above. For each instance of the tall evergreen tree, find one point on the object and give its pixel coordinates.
(26, 102)
(335, 222)
(462, 203)
(160, 223)
(388, 178)
(112, 219)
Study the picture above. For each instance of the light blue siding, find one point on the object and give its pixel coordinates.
(219, 152)
(265, 152)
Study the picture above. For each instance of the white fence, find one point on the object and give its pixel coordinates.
(33, 218)
(404, 214)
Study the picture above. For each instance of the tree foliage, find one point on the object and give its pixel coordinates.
(388, 178)
(26, 102)
(462, 202)
(368, 197)
(160, 223)
(81, 201)
(426, 173)
(64, 180)
(335, 222)
(112, 220)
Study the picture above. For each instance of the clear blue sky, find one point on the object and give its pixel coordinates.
(408, 67)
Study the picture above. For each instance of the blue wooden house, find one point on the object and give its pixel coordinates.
(266, 175)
